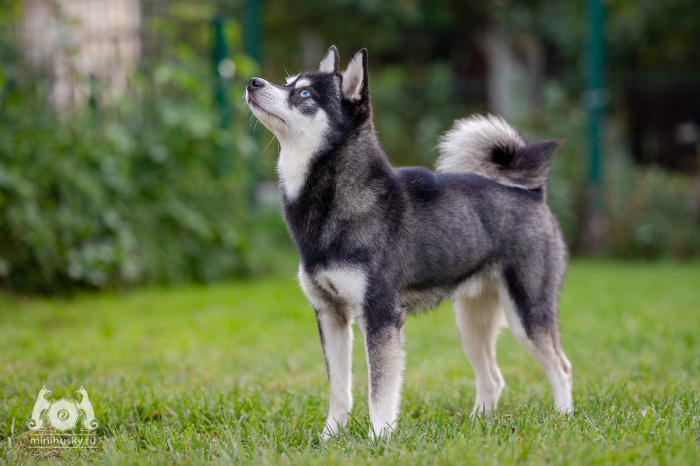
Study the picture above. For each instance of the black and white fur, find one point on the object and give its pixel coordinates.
(377, 242)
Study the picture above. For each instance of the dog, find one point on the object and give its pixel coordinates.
(378, 242)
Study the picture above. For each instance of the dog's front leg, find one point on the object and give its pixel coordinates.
(383, 332)
(335, 331)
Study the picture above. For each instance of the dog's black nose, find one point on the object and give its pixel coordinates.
(256, 83)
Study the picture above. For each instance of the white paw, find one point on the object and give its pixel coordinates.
(377, 432)
(483, 410)
(332, 427)
(566, 408)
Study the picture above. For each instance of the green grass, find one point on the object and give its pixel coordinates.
(234, 372)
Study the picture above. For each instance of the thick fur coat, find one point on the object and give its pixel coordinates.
(377, 242)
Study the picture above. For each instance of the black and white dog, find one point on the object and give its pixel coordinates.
(377, 242)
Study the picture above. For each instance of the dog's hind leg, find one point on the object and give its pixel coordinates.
(479, 317)
(534, 323)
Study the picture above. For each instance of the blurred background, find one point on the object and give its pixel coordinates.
(127, 155)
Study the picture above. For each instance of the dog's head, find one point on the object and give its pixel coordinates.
(314, 109)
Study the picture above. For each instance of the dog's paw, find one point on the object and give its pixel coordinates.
(566, 409)
(332, 427)
(384, 433)
(483, 411)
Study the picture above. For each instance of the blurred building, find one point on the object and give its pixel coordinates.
(83, 46)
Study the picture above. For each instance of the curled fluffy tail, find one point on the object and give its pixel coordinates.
(490, 147)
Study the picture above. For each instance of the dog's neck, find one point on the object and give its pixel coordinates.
(345, 171)
(293, 168)
(299, 155)
(343, 189)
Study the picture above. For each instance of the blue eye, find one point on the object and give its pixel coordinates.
(304, 93)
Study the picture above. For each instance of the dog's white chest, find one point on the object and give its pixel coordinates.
(348, 284)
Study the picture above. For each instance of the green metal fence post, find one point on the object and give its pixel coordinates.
(219, 54)
(595, 99)
(251, 38)
(92, 100)
(252, 29)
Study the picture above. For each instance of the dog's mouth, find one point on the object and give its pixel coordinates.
(253, 103)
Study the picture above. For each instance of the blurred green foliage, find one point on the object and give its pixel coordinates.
(151, 188)
(650, 213)
(146, 188)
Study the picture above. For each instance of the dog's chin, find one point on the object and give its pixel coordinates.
(270, 120)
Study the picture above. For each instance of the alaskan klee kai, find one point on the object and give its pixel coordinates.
(378, 242)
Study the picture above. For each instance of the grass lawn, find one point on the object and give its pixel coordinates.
(234, 372)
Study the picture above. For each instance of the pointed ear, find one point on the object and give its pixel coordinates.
(330, 62)
(356, 78)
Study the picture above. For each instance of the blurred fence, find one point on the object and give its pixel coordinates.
(121, 167)
(79, 43)
(127, 154)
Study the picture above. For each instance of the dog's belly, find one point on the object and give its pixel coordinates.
(414, 299)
